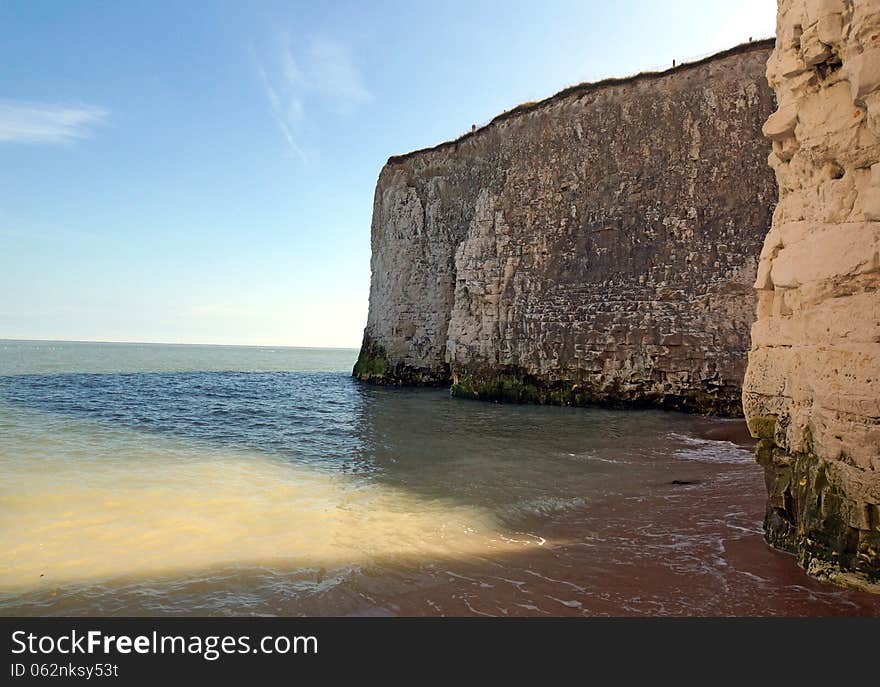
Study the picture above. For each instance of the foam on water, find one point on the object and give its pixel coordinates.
(711, 451)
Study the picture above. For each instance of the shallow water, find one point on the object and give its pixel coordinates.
(142, 479)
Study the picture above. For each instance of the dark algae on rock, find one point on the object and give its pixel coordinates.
(818, 509)
(374, 366)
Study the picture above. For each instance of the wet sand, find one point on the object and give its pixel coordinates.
(734, 431)
(699, 550)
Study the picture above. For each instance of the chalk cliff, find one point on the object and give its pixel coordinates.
(597, 246)
(812, 391)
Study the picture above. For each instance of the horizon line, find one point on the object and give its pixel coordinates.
(175, 343)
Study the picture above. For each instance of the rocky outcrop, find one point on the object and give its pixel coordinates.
(812, 390)
(596, 247)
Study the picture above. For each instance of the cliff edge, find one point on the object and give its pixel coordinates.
(811, 392)
(599, 246)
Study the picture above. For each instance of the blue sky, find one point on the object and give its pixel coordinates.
(203, 172)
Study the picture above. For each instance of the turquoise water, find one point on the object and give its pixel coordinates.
(154, 479)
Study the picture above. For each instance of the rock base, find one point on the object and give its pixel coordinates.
(517, 386)
(813, 514)
(374, 366)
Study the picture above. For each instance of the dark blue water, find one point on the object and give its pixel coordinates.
(304, 416)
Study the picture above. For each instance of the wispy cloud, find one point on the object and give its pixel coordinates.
(298, 79)
(29, 122)
(334, 73)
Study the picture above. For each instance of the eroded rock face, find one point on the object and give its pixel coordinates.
(812, 390)
(599, 246)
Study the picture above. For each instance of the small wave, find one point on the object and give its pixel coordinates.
(710, 451)
(549, 505)
(593, 456)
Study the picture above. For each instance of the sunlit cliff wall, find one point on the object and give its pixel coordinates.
(598, 246)
(812, 391)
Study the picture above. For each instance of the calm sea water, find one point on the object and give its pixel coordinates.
(153, 479)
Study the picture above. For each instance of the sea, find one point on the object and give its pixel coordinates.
(148, 479)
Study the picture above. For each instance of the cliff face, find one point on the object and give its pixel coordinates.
(598, 246)
(812, 391)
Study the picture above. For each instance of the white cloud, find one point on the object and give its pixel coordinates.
(297, 79)
(334, 73)
(28, 122)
